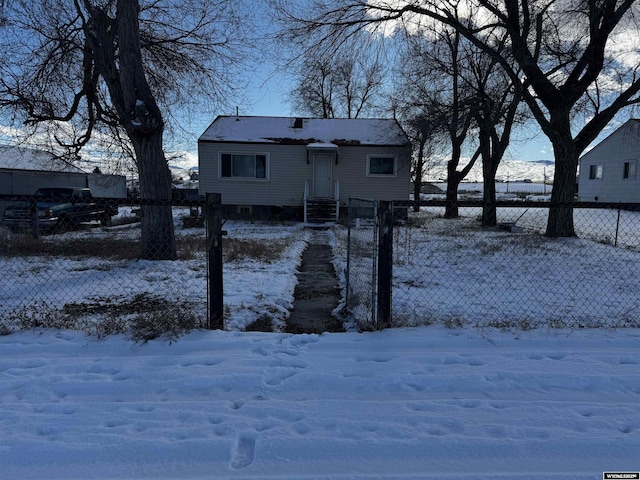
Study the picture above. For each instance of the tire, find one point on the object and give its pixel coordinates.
(63, 225)
(105, 221)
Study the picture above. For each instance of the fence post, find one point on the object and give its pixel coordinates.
(214, 257)
(615, 244)
(348, 268)
(33, 216)
(385, 263)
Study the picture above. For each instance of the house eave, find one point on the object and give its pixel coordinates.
(304, 143)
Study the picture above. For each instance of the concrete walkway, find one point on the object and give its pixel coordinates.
(318, 292)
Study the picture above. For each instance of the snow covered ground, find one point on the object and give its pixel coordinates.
(424, 403)
(420, 403)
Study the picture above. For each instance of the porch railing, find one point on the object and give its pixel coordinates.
(337, 199)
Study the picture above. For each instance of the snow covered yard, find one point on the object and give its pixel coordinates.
(258, 281)
(420, 403)
(430, 402)
(444, 271)
(454, 272)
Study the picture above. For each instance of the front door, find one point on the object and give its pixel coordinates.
(322, 175)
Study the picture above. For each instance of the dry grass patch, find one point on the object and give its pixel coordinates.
(112, 248)
(115, 248)
(263, 251)
(141, 318)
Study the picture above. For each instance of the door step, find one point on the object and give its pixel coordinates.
(321, 211)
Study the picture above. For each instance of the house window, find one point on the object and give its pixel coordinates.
(595, 172)
(381, 166)
(244, 166)
(629, 169)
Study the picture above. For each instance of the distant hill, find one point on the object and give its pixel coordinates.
(509, 170)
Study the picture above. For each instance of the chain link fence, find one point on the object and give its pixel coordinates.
(81, 269)
(457, 273)
(362, 262)
(89, 275)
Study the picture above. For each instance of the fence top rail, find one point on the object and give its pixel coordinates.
(518, 204)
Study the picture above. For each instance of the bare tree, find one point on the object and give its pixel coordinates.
(315, 89)
(572, 54)
(111, 65)
(425, 134)
(432, 83)
(339, 84)
(496, 108)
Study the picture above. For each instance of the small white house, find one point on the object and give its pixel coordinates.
(290, 167)
(608, 172)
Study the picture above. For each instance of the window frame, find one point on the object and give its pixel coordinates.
(232, 178)
(596, 171)
(383, 156)
(629, 169)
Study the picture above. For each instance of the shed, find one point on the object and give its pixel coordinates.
(304, 168)
(24, 170)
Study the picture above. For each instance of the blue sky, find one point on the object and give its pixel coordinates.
(268, 97)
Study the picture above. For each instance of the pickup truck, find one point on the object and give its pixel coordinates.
(59, 209)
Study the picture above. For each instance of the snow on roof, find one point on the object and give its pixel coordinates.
(305, 131)
(19, 158)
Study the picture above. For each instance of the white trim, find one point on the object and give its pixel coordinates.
(267, 167)
(596, 177)
(381, 175)
(322, 146)
(633, 165)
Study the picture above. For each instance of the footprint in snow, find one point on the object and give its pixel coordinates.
(244, 452)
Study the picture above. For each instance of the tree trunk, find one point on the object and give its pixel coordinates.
(560, 220)
(144, 126)
(489, 168)
(453, 181)
(489, 210)
(157, 232)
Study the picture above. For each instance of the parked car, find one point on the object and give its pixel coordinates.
(59, 209)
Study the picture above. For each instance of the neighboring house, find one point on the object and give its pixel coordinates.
(302, 167)
(609, 172)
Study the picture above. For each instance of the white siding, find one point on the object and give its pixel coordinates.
(354, 182)
(621, 146)
(288, 171)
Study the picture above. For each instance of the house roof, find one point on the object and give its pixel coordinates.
(19, 158)
(630, 127)
(305, 131)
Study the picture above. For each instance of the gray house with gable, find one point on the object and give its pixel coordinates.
(304, 168)
(609, 171)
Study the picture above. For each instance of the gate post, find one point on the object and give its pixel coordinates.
(385, 263)
(213, 216)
